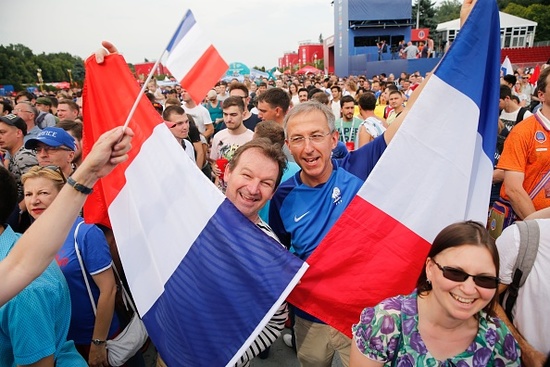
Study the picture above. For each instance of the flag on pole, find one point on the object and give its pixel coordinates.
(506, 67)
(204, 278)
(193, 60)
(436, 171)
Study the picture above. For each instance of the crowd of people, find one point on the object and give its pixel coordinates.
(276, 149)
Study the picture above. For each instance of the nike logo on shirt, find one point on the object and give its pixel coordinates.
(297, 219)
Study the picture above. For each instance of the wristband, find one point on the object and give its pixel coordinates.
(79, 187)
(98, 341)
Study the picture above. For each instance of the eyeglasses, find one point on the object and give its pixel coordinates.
(17, 110)
(48, 149)
(314, 139)
(457, 275)
(56, 169)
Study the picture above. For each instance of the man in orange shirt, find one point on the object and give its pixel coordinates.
(526, 158)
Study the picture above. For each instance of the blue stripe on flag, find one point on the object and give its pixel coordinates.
(186, 24)
(480, 41)
(232, 275)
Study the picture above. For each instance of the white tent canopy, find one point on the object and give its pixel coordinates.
(506, 21)
(514, 31)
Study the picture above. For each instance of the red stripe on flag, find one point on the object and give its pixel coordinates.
(535, 76)
(108, 95)
(204, 74)
(358, 264)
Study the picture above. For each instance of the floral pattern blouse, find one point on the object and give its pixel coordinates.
(393, 325)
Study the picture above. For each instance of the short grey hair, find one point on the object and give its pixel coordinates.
(308, 107)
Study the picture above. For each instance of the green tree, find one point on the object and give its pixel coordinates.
(18, 66)
(504, 3)
(539, 13)
(427, 14)
(447, 10)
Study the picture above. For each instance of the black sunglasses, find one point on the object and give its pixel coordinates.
(457, 275)
(55, 169)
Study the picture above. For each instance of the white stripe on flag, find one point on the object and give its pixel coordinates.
(427, 143)
(187, 52)
(153, 183)
(506, 67)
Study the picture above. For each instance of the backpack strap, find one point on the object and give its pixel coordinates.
(521, 114)
(529, 235)
(83, 269)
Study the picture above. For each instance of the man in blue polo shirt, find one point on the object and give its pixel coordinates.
(305, 207)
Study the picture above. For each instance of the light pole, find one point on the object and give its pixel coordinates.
(418, 14)
(40, 80)
(70, 76)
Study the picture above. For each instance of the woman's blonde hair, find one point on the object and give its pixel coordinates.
(47, 172)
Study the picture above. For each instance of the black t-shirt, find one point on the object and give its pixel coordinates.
(194, 134)
(252, 121)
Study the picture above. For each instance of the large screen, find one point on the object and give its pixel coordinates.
(379, 9)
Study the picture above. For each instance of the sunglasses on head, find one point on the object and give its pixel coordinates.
(457, 275)
(56, 169)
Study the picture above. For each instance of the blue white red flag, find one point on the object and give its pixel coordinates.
(506, 67)
(193, 60)
(437, 170)
(205, 279)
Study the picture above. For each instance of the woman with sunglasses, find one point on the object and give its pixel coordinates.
(449, 319)
(88, 330)
(33, 294)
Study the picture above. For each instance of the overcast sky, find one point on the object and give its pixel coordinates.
(255, 32)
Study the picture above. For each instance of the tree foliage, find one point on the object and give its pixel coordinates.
(538, 12)
(504, 3)
(19, 66)
(427, 14)
(447, 10)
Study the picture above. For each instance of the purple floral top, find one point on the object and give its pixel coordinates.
(380, 329)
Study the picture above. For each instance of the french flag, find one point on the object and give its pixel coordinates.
(506, 67)
(193, 60)
(205, 279)
(437, 170)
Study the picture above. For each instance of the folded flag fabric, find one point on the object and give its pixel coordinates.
(204, 278)
(193, 60)
(437, 170)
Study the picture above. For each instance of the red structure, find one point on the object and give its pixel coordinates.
(289, 60)
(328, 48)
(310, 53)
(526, 56)
(145, 69)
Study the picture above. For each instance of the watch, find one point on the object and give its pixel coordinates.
(98, 341)
(79, 187)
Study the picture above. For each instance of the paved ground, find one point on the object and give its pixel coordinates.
(282, 356)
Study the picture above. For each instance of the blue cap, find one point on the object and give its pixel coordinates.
(53, 137)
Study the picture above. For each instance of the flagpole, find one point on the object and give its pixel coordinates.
(142, 91)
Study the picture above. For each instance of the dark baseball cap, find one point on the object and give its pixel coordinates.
(16, 121)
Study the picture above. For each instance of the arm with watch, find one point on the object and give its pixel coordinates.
(37, 247)
(105, 281)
